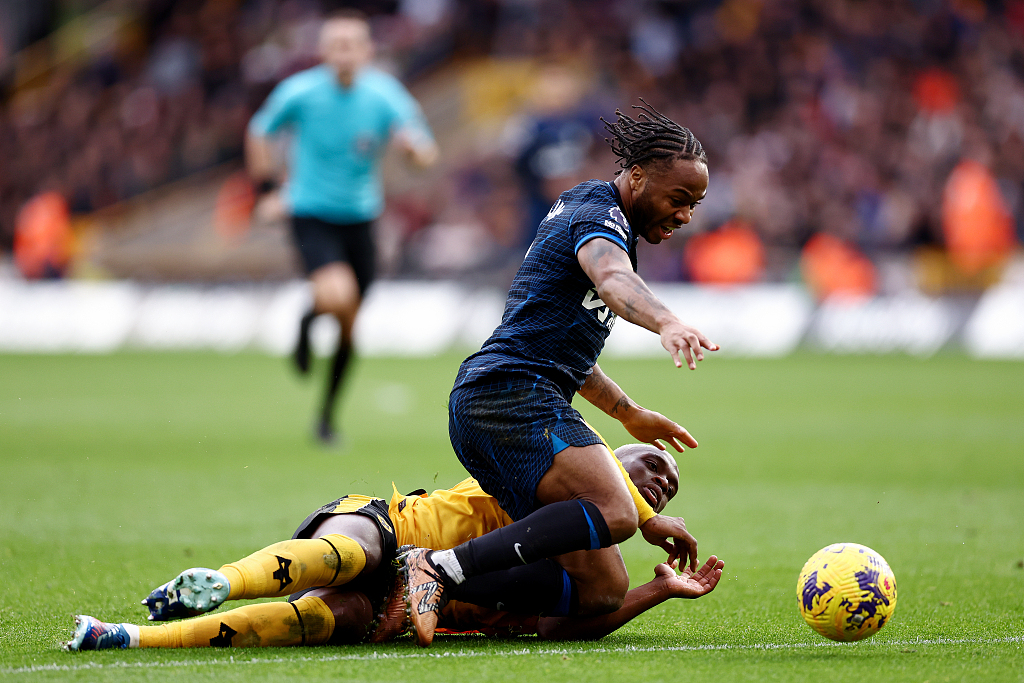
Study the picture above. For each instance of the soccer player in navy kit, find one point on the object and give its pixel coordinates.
(343, 114)
(510, 418)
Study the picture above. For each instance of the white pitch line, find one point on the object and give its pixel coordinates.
(379, 656)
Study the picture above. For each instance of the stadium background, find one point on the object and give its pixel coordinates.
(864, 154)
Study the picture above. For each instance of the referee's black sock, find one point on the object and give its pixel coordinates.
(338, 366)
(302, 352)
(539, 588)
(554, 529)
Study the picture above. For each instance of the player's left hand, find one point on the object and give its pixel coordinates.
(653, 428)
(690, 584)
(683, 547)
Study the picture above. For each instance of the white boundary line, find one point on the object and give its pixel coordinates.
(521, 652)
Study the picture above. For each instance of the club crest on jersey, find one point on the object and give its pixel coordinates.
(621, 224)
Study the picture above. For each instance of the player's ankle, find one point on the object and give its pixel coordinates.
(447, 565)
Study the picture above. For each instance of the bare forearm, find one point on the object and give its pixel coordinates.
(422, 155)
(603, 393)
(630, 298)
(638, 601)
(259, 157)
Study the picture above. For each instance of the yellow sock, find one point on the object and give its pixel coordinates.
(307, 621)
(291, 566)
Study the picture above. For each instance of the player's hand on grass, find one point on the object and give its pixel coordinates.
(681, 548)
(690, 584)
(652, 427)
(678, 338)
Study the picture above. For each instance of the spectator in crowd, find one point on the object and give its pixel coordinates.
(844, 116)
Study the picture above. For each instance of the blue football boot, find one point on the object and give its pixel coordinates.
(195, 591)
(93, 634)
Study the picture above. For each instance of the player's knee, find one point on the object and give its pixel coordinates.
(336, 304)
(605, 597)
(620, 515)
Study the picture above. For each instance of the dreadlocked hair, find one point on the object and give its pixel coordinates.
(651, 136)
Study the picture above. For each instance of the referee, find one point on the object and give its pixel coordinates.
(342, 114)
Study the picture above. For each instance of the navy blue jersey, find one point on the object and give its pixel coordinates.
(554, 323)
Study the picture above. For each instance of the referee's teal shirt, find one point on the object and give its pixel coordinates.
(340, 135)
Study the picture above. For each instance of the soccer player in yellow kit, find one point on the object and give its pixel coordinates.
(338, 571)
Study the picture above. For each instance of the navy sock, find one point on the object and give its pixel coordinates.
(539, 588)
(555, 529)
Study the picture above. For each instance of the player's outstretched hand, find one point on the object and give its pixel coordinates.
(653, 427)
(683, 546)
(690, 584)
(679, 338)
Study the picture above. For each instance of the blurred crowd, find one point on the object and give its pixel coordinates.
(863, 130)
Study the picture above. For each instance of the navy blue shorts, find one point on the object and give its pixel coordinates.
(506, 434)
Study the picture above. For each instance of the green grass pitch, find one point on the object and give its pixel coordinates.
(119, 471)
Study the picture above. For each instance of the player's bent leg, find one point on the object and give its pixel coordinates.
(601, 579)
(588, 473)
(291, 566)
(582, 492)
(343, 547)
(360, 529)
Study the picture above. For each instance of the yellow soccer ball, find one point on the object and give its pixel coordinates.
(846, 591)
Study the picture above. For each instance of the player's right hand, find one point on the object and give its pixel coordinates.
(683, 547)
(652, 427)
(678, 338)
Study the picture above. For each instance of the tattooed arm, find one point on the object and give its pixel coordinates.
(627, 295)
(644, 425)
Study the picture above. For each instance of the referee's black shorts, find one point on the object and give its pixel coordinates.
(321, 242)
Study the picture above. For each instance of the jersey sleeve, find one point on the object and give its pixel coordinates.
(277, 110)
(406, 113)
(599, 219)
